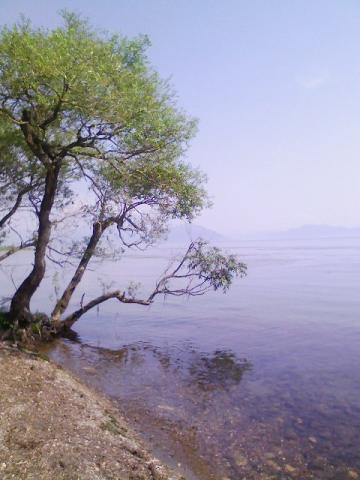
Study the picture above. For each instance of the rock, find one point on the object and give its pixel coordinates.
(273, 465)
(269, 455)
(166, 407)
(353, 475)
(289, 468)
(157, 471)
(240, 460)
(91, 370)
(316, 464)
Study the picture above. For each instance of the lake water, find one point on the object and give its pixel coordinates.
(261, 383)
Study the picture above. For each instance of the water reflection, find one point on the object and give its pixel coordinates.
(212, 412)
(291, 410)
(221, 369)
(218, 370)
(168, 392)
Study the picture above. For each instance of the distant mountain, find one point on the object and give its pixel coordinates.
(321, 231)
(309, 231)
(183, 233)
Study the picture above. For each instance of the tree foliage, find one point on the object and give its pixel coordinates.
(80, 108)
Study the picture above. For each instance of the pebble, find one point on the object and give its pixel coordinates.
(166, 407)
(91, 370)
(273, 465)
(289, 468)
(240, 460)
(269, 455)
(353, 475)
(316, 464)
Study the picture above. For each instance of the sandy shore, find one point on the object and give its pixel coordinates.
(53, 427)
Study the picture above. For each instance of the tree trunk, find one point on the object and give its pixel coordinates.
(74, 317)
(20, 304)
(63, 302)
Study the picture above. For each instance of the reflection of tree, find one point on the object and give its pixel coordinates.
(220, 370)
(72, 335)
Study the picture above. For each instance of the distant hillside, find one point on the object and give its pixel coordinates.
(321, 231)
(308, 231)
(181, 234)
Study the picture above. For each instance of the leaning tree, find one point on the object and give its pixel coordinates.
(83, 114)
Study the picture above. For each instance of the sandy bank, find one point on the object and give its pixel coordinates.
(53, 427)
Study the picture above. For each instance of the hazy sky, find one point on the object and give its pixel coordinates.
(275, 85)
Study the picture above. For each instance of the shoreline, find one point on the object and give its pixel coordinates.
(52, 426)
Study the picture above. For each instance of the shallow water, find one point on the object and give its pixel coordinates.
(261, 383)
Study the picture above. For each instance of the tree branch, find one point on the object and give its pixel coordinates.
(120, 296)
(57, 107)
(12, 250)
(201, 267)
(16, 205)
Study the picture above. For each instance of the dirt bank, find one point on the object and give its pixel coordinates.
(53, 427)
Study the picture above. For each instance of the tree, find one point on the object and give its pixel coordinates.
(81, 108)
(18, 179)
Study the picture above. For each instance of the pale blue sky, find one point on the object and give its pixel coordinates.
(276, 87)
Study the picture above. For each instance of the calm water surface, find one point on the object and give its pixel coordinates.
(262, 383)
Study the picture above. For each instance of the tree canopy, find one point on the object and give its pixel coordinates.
(82, 108)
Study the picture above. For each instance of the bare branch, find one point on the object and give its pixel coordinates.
(16, 205)
(12, 250)
(200, 269)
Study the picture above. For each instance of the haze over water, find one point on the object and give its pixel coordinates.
(260, 383)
